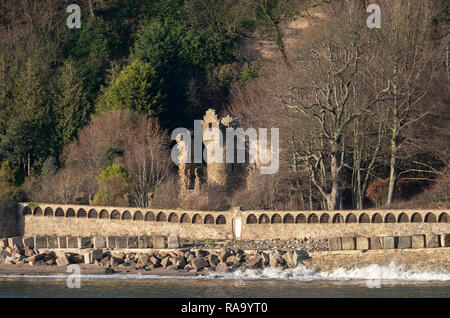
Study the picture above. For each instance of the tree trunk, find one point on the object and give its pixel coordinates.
(335, 197)
(394, 149)
(392, 173)
(91, 8)
(29, 163)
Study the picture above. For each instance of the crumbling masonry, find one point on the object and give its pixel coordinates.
(226, 176)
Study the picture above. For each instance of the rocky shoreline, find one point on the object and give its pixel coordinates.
(203, 258)
(192, 260)
(193, 257)
(306, 244)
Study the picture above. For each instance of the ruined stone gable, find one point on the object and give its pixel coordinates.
(227, 176)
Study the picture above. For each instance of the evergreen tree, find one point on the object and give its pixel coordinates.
(27, 140)
(8, 192)
(5, 98)
(160, 45)
(137, 88)
(114, 184)
(71, 107)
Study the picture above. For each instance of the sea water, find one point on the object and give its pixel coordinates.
(371, 281)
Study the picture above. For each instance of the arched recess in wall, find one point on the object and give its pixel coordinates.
(92, 214)
(81, 213)
(251, 219)
(197, 219)
(26, 211)
(115, 215)
(403, 218)
(59, 212)
(276, 219)
(209, 219)
(161, 217)
(264, 219)
(70, 213)
(389, 218)
(173, 217)
(104, 214)
(37, 211)
(300, 218)
(221, 220)
(149, 216)
(185, 218)
(430, 218)
(138, 216)
(444, 218)
(312, 218)
(377, 218)
(325, 218)
(48, 211)
(288, 218)
(338, 218)
(351, 218)
(416, 218)
(126, 215)
(364, 218)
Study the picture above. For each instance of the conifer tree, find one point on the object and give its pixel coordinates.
(27, 137)
(71, 107)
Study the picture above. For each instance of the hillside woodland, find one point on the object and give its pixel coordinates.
(86, 114)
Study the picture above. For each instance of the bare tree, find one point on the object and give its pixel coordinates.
(320, 88)
(405, 60)
(99, 145)
(147, 158)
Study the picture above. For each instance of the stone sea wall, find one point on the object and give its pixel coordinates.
(27, 219)
(423, 259)
(9, 220)
(150, 252)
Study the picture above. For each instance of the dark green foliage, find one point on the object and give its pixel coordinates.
(168, 59)
(110, 154)
(159, 45)
(8, 183)
(71, 108)
(138, 88)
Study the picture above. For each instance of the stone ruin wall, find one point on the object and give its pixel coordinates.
(24, 219)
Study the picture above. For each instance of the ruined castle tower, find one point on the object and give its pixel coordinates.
(189, 174)
(229, 176)
(182, 177)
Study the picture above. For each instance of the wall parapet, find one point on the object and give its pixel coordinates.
(251, 217)
(82, 220)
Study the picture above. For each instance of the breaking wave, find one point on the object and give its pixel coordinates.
(393, 272)
(374, 272)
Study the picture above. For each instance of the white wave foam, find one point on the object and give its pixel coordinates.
(393, 272)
